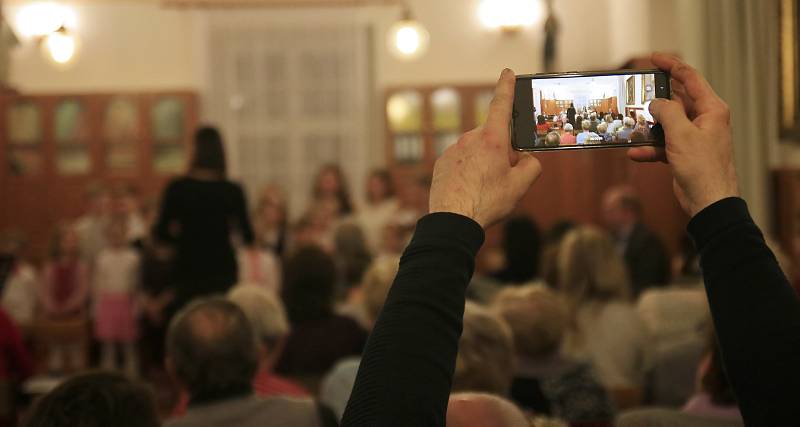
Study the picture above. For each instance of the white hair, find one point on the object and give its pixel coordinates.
(602, 127)
(568, 127)
(263, 309)
(586, 125)
(629, 122)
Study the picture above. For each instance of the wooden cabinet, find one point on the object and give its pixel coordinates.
(52, 147)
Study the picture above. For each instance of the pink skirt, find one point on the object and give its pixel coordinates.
(115, 318)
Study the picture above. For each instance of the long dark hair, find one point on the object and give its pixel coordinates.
(522, 245)
(309, 278)
(209, 153)
(342, 194)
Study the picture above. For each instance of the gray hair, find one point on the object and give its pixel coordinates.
(212, 347)
(263, 309)
(602, 127)
(568, 127)
(485, 360)
(537, 316)
(552, 139)
(586, 125)
(629, 122)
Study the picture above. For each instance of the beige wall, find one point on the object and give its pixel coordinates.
(125, 46)
(130, 45)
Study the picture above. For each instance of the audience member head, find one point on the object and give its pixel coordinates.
(621, 207)
(568, 128)
(602, 128)
(267, 317)
(537, 317)
(578, 119)
(608, 118)
(331, 183)
(380, 186)
(96, 399)
(271, 209)
(522, 246)
(212, 350)
(628, 122)
(485, 360)
(309, 280)
(640, 120)
(552, 139)
(483, 410)
(209, 152)
(586, 125)
(637, 136)
(352, 255)
(540, 120)
(571, 105)
(593, 116)
(619, 116)
(590, 268)
(376, 283)
(65, 242)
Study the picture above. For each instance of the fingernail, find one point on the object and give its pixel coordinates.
(505, 72)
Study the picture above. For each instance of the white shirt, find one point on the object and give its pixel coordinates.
(116, 270)
(19, 294)
(673, 313)
(612, 337)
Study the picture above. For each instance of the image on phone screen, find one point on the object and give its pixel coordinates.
(590, 110)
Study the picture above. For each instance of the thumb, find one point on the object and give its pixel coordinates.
(671, 115)
(525, 172)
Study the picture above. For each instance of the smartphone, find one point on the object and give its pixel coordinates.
(578, 110)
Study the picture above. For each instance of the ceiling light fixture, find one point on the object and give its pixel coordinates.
(407, 39)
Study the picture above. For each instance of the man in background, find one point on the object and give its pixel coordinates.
(213, 355)
(643, 251)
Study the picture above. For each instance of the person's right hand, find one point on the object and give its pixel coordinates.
(696, 125)
(482, 177)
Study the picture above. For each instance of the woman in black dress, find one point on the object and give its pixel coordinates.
(199, 212)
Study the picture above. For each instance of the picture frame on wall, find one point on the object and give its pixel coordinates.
(790, 69)
(630, 86)
(648, 87)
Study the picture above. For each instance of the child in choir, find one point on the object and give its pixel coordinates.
(19, 281)
(115, 284)
(63, 297)
(259, 267)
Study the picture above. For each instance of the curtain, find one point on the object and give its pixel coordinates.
(741, 63)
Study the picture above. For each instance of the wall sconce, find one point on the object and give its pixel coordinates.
(407, 39)
(509, 16)
(51, 26)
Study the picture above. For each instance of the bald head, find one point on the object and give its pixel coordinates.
(483, 410)
(211, 349)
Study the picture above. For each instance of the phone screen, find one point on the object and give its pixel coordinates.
(589, 110)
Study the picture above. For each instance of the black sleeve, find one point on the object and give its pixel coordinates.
(755, 310)
(408, 364)
(167, 214)
(243, 217)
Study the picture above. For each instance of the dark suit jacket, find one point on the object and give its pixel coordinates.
(646, 259)
(571, 115)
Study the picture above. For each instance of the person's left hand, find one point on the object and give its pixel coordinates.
(482, 177)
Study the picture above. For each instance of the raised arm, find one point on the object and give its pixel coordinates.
(755, 311)
(407, 368)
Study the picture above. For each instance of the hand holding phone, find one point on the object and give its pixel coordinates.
(574, 110)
